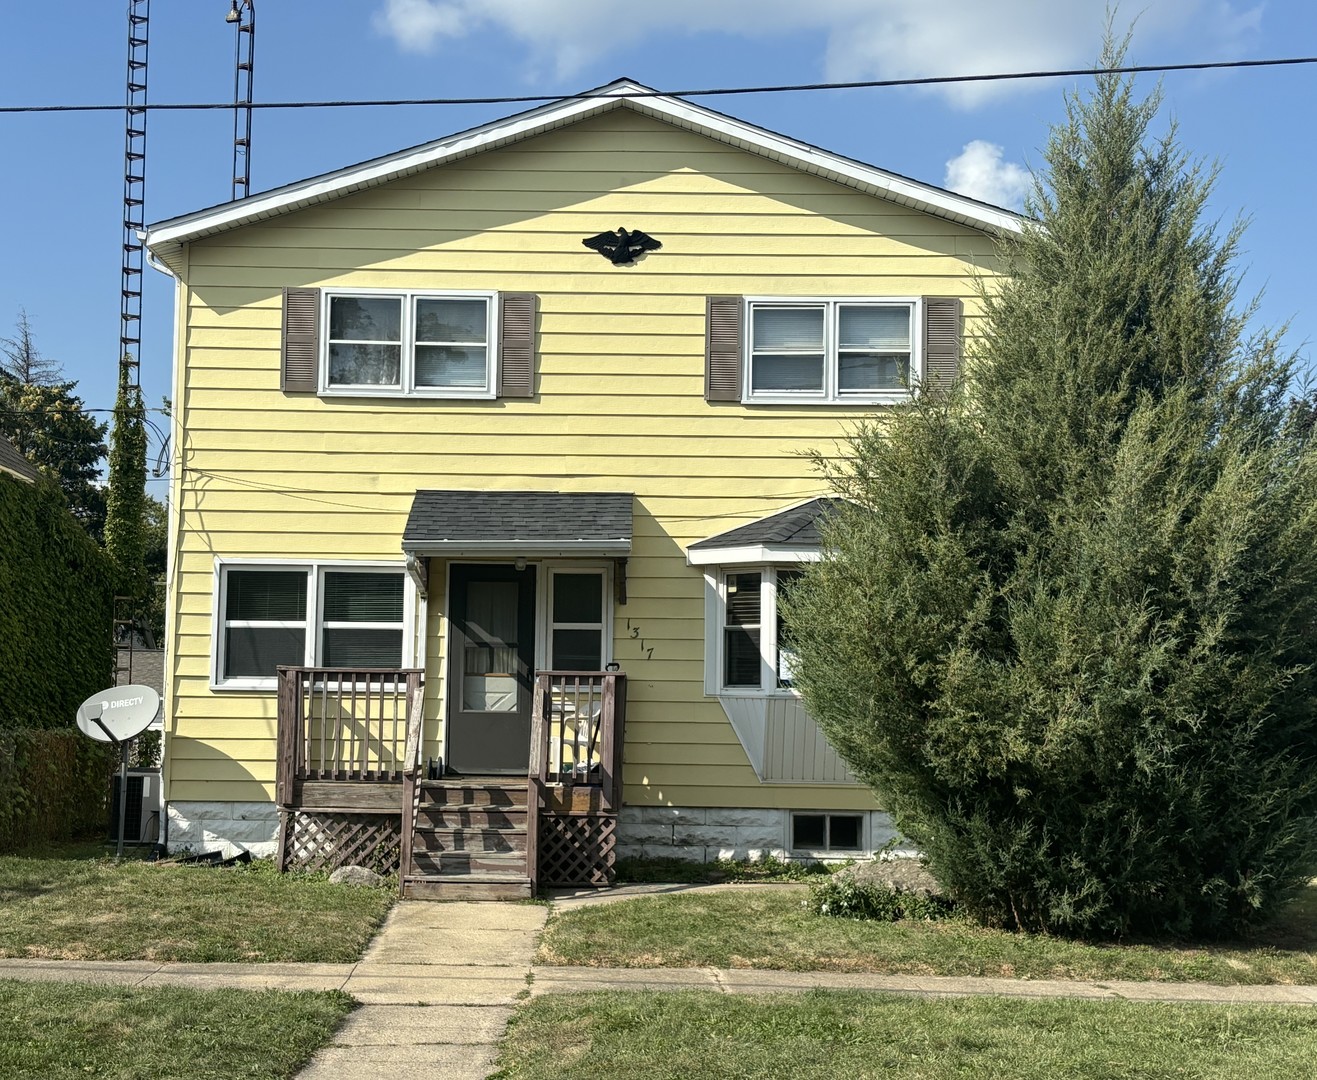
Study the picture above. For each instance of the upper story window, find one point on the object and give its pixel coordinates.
(331, 616)
(833, 351)
(409, 343)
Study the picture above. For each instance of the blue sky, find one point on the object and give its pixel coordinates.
(63, 176)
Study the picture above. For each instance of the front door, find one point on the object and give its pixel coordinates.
(491, 668)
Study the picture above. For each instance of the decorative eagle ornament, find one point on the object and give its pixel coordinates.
(623, 246)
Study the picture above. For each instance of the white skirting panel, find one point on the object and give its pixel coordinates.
(782, 741)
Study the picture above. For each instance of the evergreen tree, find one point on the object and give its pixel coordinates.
(1066, 629)
(125, 518)
(49, 425)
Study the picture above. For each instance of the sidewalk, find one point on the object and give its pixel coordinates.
(439, 982)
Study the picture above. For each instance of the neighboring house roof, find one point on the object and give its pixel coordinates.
(146, 668)
(14, 463)
(165, 239)
(519, 522)
(785, 533)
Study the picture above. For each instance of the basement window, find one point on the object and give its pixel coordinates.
(827, 832)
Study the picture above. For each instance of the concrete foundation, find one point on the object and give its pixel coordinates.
(705, 834)
(229, 827)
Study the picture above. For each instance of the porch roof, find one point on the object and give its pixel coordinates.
(519, 523)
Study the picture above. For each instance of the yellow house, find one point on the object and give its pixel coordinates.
(490, 465)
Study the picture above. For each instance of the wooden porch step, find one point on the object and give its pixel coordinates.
(474, 841)
(467, 863)
(466, 792)
(472, 887)
(470, 816)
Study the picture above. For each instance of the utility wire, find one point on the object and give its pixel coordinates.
(791, 88)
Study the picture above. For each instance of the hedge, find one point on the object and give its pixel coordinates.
(54, 785)
(56, 609)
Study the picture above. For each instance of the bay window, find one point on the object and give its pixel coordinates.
(754, 653)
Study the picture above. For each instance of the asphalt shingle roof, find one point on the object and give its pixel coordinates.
(14, 463)
(797, 526)
(518, 517)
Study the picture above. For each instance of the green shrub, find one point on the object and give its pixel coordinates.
(842, 898)
(55, 609)
(54, 785)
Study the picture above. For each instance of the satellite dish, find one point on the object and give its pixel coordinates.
(118, 714)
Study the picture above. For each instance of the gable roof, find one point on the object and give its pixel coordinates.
(15, 464)
(165, 239)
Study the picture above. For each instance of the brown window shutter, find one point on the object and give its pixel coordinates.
(941, 342)
(301, 341)
(722, 349)
(516, 343)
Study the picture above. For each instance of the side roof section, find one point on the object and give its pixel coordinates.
(165, 239)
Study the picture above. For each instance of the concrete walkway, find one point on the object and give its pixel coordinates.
(439, 982)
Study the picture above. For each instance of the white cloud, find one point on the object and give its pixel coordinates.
(979, 172)
(866, 39)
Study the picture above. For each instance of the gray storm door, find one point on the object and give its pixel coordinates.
(491, 668)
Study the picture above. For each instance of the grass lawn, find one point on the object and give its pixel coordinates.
(72, 904)
(58, 1030)
(694, 1034)
(767, 928)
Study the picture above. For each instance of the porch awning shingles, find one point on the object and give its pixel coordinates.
(519, 523)
(784, 534)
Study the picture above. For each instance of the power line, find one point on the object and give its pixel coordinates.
(530, 99)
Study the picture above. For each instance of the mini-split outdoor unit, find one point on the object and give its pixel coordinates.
(141, 824)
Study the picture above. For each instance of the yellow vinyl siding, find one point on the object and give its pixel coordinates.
(619, 406)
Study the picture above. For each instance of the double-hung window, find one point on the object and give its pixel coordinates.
(333, 616)
(409, 343)
(834, 351)
(754, 652)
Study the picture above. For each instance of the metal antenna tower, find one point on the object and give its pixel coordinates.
(243, 16)
(134, 193)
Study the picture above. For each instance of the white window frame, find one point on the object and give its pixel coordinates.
(407, 345)
(828, 848)
(715, 621)
(314, 624)
(830, 393)
(545, 625)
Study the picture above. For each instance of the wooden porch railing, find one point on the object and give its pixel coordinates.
(411, 776)
(344, 724)
(577, 725)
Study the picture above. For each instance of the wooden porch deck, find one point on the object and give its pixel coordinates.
(351, 790)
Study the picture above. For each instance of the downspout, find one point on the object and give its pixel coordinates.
(173, 537)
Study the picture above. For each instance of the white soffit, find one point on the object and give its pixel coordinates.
(166, 238)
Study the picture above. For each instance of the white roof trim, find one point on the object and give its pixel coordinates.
(165, 238)
(752, 554)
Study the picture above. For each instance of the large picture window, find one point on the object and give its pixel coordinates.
(425, 344)
(330, 616)
(831, 350)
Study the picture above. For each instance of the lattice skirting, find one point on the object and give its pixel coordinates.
(322, 840)
(578, 850)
